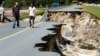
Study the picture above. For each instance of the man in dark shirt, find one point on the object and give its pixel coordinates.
(16, 14)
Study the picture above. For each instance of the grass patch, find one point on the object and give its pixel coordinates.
(40, 8)
(40, 11)
(23, 16)
(94, 10)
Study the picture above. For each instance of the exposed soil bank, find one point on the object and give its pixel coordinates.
(86, 31)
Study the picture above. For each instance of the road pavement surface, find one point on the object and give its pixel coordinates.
(71, 8)
(21, 41)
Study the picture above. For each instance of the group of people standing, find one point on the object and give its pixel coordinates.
(16, 14)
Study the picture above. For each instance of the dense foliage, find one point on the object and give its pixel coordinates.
(10, 3)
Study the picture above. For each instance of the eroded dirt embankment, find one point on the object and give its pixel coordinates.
(86, 29)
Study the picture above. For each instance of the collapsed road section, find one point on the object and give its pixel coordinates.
(79, 36)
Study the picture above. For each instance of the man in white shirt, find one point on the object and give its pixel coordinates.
(32, 11)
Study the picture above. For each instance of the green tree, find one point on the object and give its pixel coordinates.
(68, 2)
(9, 3)
(62, 2)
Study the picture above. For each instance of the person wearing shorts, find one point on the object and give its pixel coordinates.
(32, 11)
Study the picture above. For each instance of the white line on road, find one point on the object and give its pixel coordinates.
(14, 34)
(17, 33)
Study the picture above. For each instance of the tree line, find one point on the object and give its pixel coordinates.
(10, 3)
